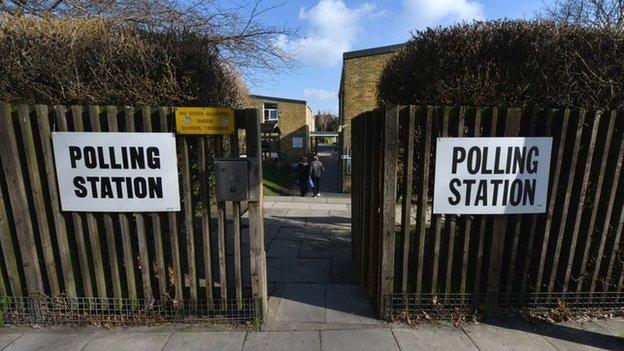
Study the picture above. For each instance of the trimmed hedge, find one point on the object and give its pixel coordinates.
(508, 63)
(97, 62)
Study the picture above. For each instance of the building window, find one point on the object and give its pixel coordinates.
(270, 112)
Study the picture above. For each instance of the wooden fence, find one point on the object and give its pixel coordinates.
(188, 259)
(572, 254)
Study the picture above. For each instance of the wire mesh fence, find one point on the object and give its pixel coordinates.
(76, 311)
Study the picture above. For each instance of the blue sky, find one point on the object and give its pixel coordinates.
(327, 28)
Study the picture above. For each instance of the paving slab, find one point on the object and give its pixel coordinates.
(308, 214)
(348, 304)
(217, 341)
(339, 200)
(291, 205)
(279, 198)
(325, 248)
(299, 270)
(343, 271)
(358, 340)
(302, 303)
(61, 341)
(267, 204)
(284, 248)
(577, 336)
(301, 233)
(282, 341)
(493, 337)
(432, 337)
(614, 326)
(128, 341)
(328, 207)
(7, 338)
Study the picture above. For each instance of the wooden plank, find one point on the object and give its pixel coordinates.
(124, 222)
(566, 202)
(615, 251)
(221, 230)
(483, 224)
(581, 202)
(236, 231)
(8, 249)
(205, 214)
(16, 188)
(109, 227)
(499, 226)
(37, 196)
(423, 196)
(60, 228)
(388, 232)
(596, 201)
(408, 180)
(188, 219)
(177, 279)
(438, 218)
(607, 221)
(92, 223)
(256, 222)
(553, 198)
(77, 219)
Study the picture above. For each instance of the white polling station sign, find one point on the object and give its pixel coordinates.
(491, 175)
(117, 172)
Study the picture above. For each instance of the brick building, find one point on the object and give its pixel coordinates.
(361, 71)
(286, 126)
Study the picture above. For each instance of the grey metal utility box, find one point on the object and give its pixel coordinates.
(232, 179)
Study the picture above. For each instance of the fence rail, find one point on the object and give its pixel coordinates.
(150, 259)
(574, 249)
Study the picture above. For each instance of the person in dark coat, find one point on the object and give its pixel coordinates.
(303, 174)
(316, 172)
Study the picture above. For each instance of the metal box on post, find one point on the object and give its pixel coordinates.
(232, 179)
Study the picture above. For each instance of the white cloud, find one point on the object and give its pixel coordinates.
(319, 94)
(435, 12)
(333, 27)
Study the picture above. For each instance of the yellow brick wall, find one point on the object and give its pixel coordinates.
(359, 94)
(295, 120)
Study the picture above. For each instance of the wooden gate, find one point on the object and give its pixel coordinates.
(205, 262)
(571, 256)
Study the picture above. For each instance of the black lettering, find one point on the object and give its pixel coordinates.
(153, 157)
(140, 187)
(93, 181)
(468, 183)
(74, 155)
(532, 164)
(515, 195)
(137, 158)
(509, 159)
(124, 157)
(453, 187)
(459, 155)
(90, 159)
(474, 159)
(529, 191)
(496, 183)
(107, 189)
(80, 190)
(129, 187)
(103, 163)
(505, 192)
(497, 161)
(482, 193)
(155, 187)
(114, 164)
(518, 160)
(118, 186)
(484, 168)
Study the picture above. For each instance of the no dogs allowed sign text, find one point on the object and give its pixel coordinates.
(491, 175)
(117, 172)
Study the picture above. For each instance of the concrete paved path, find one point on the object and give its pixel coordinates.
(510, 334)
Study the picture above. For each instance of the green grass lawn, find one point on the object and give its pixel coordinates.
(276, 182)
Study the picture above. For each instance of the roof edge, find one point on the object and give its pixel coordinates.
(372, 51)
(274, 98)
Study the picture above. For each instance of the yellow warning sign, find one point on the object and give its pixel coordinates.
(204, 120)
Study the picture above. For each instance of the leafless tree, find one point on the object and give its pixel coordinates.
(326, 122)
(590, 13)
(239, 32)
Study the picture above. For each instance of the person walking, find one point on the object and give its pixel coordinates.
(316, 172)
(303, 175)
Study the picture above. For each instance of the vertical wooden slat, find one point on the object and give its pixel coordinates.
(408, 176)
(125, 222)
(36, 193)
(595, 201)
(188, 219)
(177, 280)
(205, 215)
(19, 202)
(438, 217)
(256, 224)
(236, 231)
(79, 234)
(146, 277)
(607, 220)
(423, 196)
(615, 251)
(566, 202)
(581, 202)
(59, 220)
(8, 249)
(388, 233)
(92, 223)
(221, 230)
(553, 197)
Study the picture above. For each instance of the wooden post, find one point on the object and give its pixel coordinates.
(256, 220)
(407, 191)
(388, 229)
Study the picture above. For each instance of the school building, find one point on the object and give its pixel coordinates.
(285, 127)
(361, 71)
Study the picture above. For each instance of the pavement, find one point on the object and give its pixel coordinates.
(315, 303)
